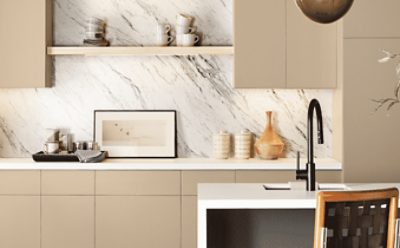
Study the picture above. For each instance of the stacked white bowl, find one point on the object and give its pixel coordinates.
(221, 145)
(243, 144)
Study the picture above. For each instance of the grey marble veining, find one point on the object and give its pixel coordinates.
(198, 87)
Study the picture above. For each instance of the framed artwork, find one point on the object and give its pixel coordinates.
(136, 133)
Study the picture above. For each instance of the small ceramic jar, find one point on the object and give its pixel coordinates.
(243, 144)
(222, 145)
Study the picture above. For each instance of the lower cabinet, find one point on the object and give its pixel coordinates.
(138, 221)
(20, 221)
(68, 221)
(189, 221)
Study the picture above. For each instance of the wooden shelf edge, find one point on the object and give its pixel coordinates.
(140, 51)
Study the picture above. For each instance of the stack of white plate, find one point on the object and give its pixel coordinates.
(221, 145)
(243, 144)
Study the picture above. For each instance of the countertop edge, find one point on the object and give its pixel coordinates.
(284, 164)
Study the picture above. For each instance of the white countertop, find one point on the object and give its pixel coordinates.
(168, 164)
(254, 196)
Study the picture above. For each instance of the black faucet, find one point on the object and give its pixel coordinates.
(309, 173)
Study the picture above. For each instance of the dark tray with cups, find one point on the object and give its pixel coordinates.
(66, 157)
(55, 157)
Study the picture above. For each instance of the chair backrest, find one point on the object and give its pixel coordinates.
(356, 219)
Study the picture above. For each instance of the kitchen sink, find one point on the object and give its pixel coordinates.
(321, 187)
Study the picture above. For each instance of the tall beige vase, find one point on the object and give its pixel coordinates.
(270, 145)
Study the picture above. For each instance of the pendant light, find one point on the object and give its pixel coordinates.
(324, 11)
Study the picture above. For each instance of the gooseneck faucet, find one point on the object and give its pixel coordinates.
(309, 173)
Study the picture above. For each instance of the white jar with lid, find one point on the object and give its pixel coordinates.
(221, 145)
(243, 144)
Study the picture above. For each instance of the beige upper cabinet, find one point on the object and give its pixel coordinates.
(276, 46)
(311, 51)
(260, 43)
(373, 19)
(25, 32)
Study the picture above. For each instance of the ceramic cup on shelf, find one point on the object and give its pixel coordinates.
(164, 39)
(187, 40)
(163, 28)
(184, 20)
(185, 29)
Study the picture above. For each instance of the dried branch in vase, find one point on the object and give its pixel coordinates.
(389, 102)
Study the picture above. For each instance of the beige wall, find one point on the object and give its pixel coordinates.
(371, 141)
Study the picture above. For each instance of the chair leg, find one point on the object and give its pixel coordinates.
(324, 237)
(397, 233)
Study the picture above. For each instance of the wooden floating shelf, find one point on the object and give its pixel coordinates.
(140, 51)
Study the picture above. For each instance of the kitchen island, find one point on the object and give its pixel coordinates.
(248, 215)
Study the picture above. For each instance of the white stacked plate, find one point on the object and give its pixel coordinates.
(243, 145)
(221, 145)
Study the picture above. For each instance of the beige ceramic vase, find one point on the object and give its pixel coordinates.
(270, 145)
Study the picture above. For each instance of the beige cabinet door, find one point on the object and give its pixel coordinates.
(189, 221)
(20, 221)
(138, 221)
(373, 19)
(260, 44)
(191, 179)
(25, 31)
(311, 51)
(67, 221)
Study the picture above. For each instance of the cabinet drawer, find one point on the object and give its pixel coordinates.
(284, 176)
(68, 182)
(138, 221)
(20, 182)
(265, 176)
(190, 179)
(138, 183)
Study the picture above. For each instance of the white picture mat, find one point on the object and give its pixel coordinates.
(166, 150)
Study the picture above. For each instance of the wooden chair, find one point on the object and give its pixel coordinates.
(357, 219)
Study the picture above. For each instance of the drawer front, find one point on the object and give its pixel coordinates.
(190, 179)
(265, 176)
(20, 182)
(284, 176)
(68, 182)
(138, 221)
(138, 183)
(329, 176)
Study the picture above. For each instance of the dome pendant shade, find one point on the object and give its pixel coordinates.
(324, 11)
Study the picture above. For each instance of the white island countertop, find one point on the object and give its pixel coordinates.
(168, 164)
(255, 196)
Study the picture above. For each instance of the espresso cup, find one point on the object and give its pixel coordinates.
(51, 147)
(185, 29)
(164, 40)
(163, 28)
(184, 20)
(187, 40)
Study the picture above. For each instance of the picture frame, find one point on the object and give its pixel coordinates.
(136, 133)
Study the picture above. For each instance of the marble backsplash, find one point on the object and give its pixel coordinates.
(198, 87)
